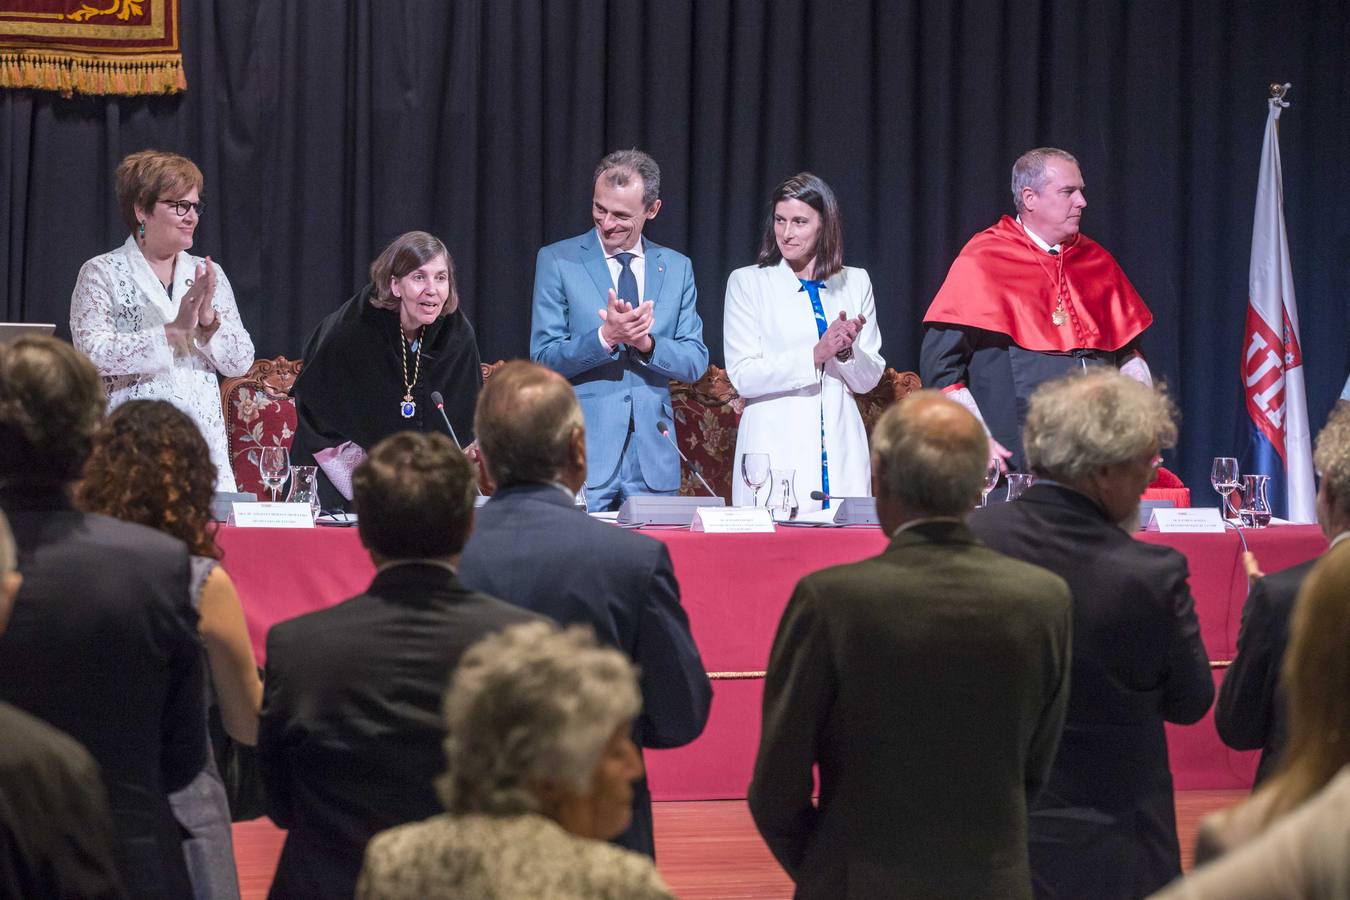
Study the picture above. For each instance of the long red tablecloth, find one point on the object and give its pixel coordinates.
(734, 588)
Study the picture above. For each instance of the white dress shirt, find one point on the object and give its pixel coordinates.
(639, 266)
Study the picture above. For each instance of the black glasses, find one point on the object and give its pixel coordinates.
(182, 206)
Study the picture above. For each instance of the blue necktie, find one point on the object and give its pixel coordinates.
(627, 288)
(812, 288)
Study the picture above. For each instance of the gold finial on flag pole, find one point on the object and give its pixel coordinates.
(1278, 92)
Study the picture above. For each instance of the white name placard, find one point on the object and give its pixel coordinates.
(273, 515)
(1183, 520)
(732, 520)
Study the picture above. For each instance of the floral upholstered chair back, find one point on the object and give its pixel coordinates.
(708, 413)
(258, 413)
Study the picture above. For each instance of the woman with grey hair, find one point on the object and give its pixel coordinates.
(540, 774)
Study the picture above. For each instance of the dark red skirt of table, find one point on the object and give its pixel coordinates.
(734, 588)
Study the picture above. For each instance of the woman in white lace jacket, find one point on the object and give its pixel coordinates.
(157, 322)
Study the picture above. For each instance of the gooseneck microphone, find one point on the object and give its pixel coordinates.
(437, 399)
(819, 495)
(662, 427)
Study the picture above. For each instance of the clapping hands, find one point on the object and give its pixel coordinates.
(839, 337)
(625, 323)
(195, 309)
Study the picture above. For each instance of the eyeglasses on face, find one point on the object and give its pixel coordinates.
(181, 207)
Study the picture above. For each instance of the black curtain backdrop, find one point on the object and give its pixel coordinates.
(327, 128)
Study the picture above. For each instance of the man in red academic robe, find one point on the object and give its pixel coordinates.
(1030, 299)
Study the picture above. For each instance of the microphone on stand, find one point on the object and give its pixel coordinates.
(662, 427)
(819, 495)
(437, 399)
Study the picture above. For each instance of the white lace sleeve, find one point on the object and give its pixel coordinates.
(109, 324)
(230, 349)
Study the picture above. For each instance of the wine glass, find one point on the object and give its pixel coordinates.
(1223, 475)
(755, 472)
(991, 474)
(273, 464)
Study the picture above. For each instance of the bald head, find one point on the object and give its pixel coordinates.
(529, 426)
(929, 456)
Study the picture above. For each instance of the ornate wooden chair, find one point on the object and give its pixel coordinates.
(708, 413)
(258, 413)
(893, 387)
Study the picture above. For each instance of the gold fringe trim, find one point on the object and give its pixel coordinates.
(66, 74)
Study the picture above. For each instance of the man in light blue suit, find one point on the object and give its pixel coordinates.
(615, 315)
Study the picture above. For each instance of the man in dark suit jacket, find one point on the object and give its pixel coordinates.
(102, 643)
(350, 739)
(928, 684)
(56, 833)
(1250, 712)
(533, 547)
(1105, 825)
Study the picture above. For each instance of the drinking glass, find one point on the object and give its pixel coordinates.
(1018, 482)
(755, 472)
(304, 488)
(1223, 475)
(782, 499)
(273, 464)
(1255, 509)
(990, 479)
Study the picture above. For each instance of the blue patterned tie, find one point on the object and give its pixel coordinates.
(627, 288)
(812, 289)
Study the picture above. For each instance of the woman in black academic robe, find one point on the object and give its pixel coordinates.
(371, 366)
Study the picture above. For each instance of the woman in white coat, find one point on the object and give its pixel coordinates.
(157, 322)
(801, 340)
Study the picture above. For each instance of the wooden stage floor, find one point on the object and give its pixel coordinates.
(709, 850)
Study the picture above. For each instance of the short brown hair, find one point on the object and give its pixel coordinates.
(150, 465)
(815, 193)
(525, 419)
(620, 166)
(408, 253)
(414, 497)
(144, 178)
(51, 401)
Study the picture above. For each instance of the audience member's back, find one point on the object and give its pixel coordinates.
(925, 687)
(351, 730)
(531, 546)
(1105, 825)
(102, 642)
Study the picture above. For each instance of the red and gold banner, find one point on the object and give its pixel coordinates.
(96, 47)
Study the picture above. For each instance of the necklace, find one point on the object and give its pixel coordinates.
(408, 408)
(1060, 314)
